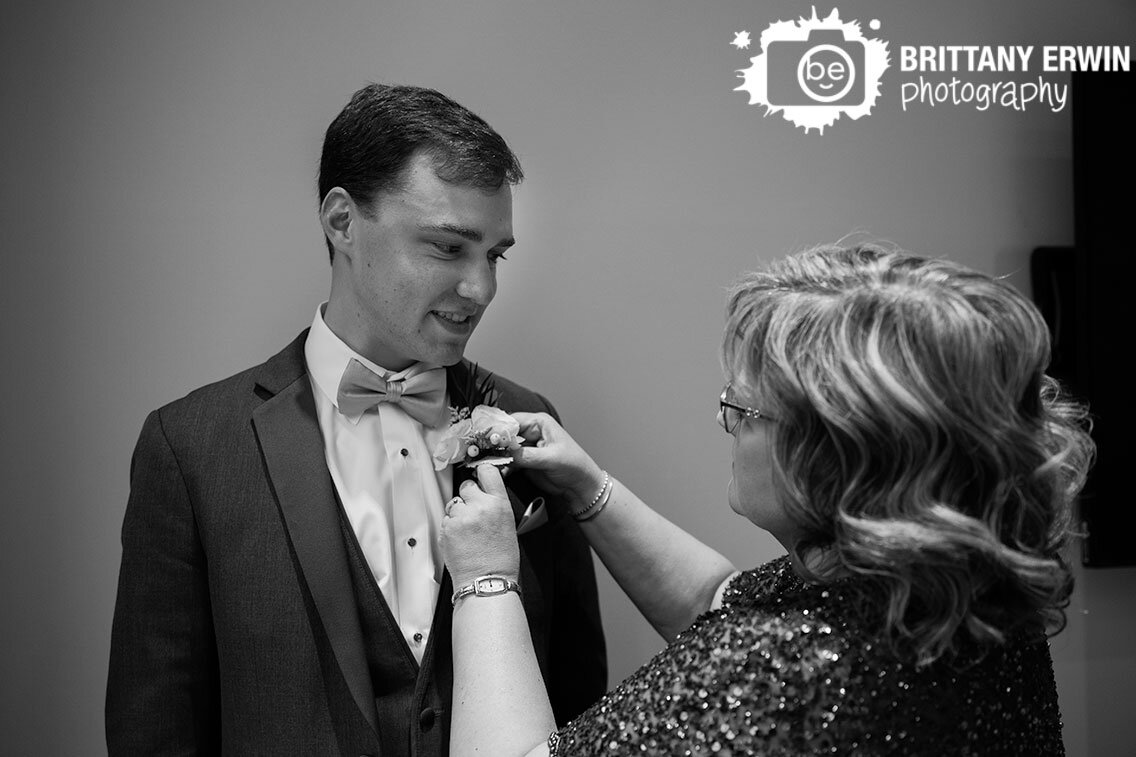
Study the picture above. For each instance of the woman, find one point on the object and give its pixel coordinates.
(894, 429)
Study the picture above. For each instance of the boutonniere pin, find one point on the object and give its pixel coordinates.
(480, 432)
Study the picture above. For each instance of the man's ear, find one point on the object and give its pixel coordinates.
(338, 216)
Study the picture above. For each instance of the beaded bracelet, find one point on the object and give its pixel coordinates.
(598, 497)
(602, 505)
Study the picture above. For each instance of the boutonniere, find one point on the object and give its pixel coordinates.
(479, 432)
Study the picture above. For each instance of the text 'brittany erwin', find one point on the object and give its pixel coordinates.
(1007, 58)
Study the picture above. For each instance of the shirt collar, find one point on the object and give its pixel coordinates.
(327, 356)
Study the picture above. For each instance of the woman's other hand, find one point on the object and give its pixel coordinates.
(479, 536)
(555, 461)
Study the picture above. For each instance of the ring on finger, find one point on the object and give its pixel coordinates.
(453, 501)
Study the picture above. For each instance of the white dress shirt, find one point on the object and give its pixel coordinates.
(383, 471)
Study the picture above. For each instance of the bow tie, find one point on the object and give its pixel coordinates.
(422, 395)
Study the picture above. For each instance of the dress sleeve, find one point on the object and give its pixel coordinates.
(740, 680)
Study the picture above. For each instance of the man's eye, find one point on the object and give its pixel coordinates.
(449, 249)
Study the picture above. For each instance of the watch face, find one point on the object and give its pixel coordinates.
(491, 585)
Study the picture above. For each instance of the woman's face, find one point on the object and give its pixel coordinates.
(751, 492)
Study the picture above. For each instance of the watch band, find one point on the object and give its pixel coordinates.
(487, 586)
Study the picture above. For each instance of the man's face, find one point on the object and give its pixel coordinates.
(422, 270)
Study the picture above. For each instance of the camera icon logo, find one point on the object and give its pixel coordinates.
(815, 70)
(822, 70)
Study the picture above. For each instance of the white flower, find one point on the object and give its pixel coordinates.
(451, 448)
(491, 421)
(487, 432)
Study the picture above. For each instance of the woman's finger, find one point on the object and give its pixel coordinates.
(491, 482)
(530, 457)
(465, 489)
(526, 419)
(532, 426)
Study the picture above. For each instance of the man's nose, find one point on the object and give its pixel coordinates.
(478, 282)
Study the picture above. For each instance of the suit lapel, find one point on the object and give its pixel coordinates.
(288, 431)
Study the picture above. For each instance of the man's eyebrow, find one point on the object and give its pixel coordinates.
(473, 235)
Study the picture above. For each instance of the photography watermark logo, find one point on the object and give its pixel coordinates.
(814, 70)
(970, 68)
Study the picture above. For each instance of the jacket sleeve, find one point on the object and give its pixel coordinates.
(162, 688)
(578, 654)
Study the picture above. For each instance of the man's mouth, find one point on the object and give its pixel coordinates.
(450, 317)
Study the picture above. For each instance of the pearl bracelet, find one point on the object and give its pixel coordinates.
(603, 503)
(604, 488)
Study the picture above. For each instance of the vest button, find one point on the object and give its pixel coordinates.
(426, 719)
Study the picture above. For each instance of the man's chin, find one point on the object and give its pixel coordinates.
(447, 341)
(445, 354)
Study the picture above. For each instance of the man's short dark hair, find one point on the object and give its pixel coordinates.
(367, 147)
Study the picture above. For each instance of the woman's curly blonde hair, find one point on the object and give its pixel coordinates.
(917, 438)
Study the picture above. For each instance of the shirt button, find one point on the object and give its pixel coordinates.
(404, 452)
(411, 541)
(417, 638)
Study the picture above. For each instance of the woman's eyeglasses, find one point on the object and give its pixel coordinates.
(731, 414)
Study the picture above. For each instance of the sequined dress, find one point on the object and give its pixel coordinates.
(790, 668)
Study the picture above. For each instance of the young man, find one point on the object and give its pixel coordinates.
(281, 589)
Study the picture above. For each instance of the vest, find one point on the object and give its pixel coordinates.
(412, 702)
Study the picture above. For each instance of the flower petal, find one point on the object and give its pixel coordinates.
(448, 451)
(487, 420)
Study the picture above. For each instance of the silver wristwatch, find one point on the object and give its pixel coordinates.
(487, 586)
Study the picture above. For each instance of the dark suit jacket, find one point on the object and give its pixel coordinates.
(235, 615)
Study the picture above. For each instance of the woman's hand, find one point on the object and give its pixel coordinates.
(479, 536)
(556, 463)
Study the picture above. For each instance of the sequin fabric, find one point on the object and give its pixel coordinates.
(790, 668)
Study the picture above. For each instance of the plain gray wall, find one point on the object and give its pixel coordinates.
(159, 232)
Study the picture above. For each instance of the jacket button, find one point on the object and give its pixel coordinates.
(426, 719)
